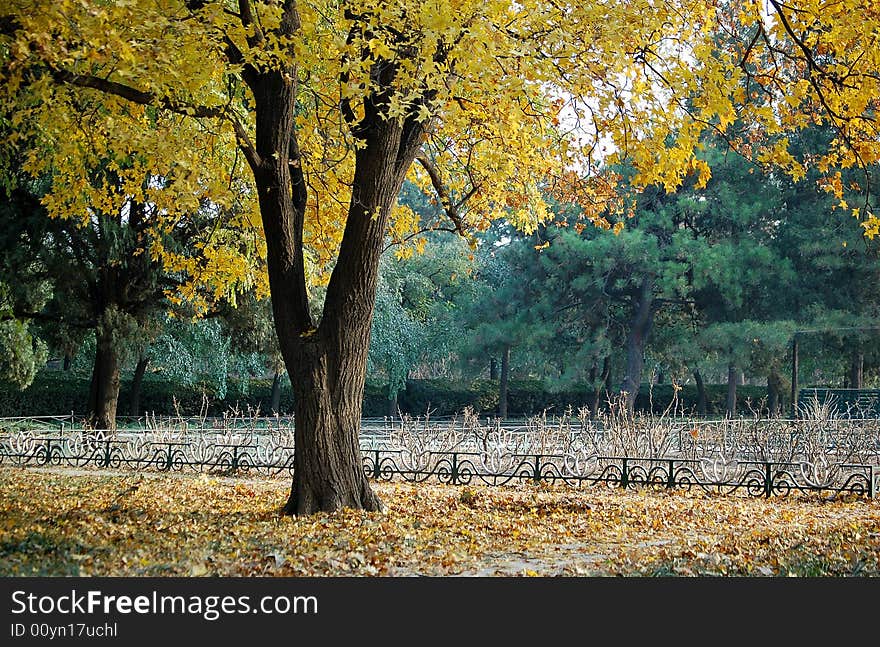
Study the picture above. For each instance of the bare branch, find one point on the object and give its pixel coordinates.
(449, 208)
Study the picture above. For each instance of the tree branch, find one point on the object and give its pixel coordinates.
(165, 103)
(449, 208)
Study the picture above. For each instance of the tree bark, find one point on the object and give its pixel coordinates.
(275, 401)
(701, 393)
(104, 386)
(640, 328)
(493, 368)
(732, 379)
(504, 382)
(67, 362)
(136, 383)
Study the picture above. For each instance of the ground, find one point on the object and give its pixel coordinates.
(65, 522)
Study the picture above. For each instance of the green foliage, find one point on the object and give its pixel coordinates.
(21, 354)
(61, 392)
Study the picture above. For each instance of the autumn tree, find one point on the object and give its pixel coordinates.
(331, 106)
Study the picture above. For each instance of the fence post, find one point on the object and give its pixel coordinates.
(537, 473)
(768, 479)
(169, 461)
(624, 475)
(234, 460)
(376, 472)
(872, 488)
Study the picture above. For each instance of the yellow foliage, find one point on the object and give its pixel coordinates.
(520, 100)
(136, 525)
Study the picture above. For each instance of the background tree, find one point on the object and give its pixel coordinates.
(93, 248)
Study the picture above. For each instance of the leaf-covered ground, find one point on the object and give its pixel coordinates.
(56, 522)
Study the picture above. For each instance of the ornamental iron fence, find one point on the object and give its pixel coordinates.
(755, 457)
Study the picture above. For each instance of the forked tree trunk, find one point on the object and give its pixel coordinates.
(326, 360)
(137, 382)
(330, 363)
(104, 386)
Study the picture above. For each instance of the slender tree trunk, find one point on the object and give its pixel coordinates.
(701, 393)
(601, 387)
(275, 401)
(137, 382)
(104, 386)
(504, 382)
(393, 411)
(493, 368)
(856, 371)
(640, 328)
(774, 391)
(732, 379)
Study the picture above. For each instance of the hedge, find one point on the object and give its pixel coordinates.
(62, 393)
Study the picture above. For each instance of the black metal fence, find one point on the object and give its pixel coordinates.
(575, 465)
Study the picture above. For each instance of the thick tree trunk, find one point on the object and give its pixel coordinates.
(67, 362)
(137, 382)
(640, 328)
(732, 379)
(328, 469)
(701, 393)
(504, 382)
(275, 401)
(104, 386)
(856, 371)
